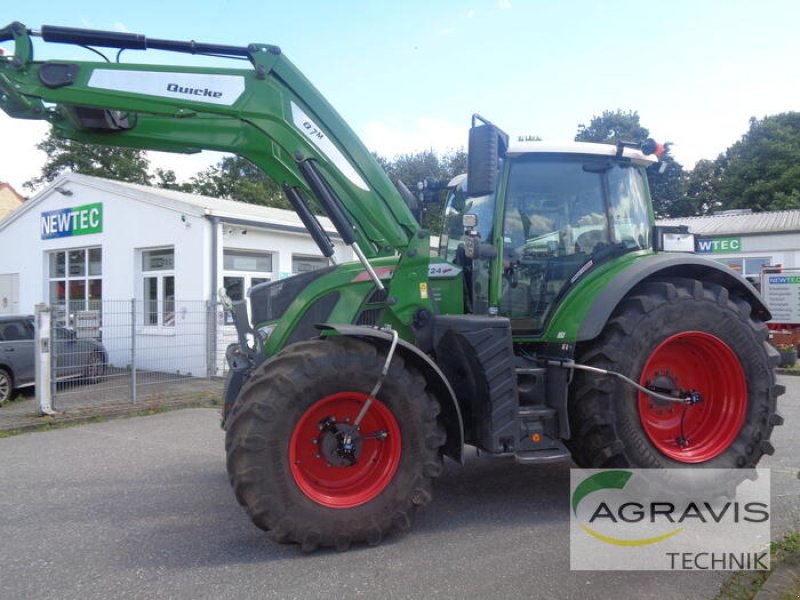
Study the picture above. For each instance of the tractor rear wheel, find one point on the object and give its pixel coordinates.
(677, 336)
(301, 469)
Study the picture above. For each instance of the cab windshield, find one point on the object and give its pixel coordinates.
(561, 212)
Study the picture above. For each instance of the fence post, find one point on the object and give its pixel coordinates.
(43, 355)
(211, 339)
(133, 350)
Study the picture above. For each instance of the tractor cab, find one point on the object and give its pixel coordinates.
(556, 212)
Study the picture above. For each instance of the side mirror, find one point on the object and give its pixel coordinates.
(487, 145)
(474, 249)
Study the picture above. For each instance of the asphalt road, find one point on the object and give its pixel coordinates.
(141, 508)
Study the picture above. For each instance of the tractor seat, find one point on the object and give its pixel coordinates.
(589, 241)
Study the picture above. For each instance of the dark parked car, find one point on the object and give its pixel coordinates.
(73, 357)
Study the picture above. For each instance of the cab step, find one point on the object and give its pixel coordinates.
(543, 456)
(537, 411)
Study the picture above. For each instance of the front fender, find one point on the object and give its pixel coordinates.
(451, 414)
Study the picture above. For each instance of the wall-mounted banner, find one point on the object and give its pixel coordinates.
(718, 245)
(669, 519)
(66, 222)
(782, 293)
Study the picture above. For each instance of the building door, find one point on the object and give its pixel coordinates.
(9, 293)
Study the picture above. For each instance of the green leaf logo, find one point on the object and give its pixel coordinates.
(615, 480)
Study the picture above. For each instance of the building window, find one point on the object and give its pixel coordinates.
(247, 260)
(748, 267)
(75, 279)
(242, 270)
(304, 264)
(753, 266)
(158, 277)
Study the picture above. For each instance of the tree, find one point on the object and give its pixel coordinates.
(236, 178)
(166, 178)
(63, 155)
(612, 127)
(762, 170)
(667, 185)
(702, 189)
(455, 162)
(412, 169)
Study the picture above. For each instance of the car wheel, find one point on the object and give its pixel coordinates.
(6, 386)
(95, 368)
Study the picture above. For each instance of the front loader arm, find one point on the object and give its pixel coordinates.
(270, 114)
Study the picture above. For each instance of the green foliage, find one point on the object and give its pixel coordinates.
(237, 178)
(702, 189)
(762, 170)
(122, 164)
(166, 178)
(745, 585)
(667, 186)
(612, 127)
(413, 169)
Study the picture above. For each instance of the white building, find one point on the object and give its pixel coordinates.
(746, 241)
(84, 242)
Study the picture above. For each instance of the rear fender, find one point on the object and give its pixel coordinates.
(666, 265)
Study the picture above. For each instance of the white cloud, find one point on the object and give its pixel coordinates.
(19, 158)
(447, 31)
(121, 27)
(504, 4)
(471, 13)
(395, 135)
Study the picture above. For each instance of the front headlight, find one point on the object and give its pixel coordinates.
(264, 332)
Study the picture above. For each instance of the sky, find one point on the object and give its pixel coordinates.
(407, 76)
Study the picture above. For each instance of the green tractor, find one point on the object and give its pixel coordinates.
(552, 325)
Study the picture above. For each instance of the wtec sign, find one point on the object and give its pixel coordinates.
(79, 220)
(718, 245)
(669, 519)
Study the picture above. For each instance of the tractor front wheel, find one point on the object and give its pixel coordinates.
(679, 337)
(302, 469)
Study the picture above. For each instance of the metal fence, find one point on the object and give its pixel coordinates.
(131, 350)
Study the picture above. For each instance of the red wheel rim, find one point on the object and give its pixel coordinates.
(335, 485)
(701, 362)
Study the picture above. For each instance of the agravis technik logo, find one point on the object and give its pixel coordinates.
(650, 519)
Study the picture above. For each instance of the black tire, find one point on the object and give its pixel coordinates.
(227, 407)
(606, 415)
(6, 386)
(267, 424)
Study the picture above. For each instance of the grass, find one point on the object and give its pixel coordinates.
(793, 370)
(17, 395)
(155, 406)
(744, 585)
